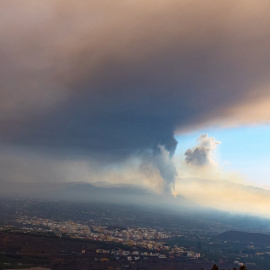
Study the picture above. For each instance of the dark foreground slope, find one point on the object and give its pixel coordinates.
(244, 237)
(20, 250)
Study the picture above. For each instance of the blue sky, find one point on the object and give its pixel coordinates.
(244, 150)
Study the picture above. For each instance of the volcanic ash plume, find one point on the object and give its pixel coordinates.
(202, 153)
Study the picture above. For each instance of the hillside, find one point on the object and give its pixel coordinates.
(244, 237)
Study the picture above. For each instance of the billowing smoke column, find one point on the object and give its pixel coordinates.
(202, 153)
(158, 163)
(164, 163)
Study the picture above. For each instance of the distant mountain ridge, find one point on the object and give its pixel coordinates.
(244, 237)
(126, 194)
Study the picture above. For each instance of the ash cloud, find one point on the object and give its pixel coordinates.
(202, 153)
(110, 80)
(160, 161)
(166, 166)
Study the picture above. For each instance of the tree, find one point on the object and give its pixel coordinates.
(215, 267)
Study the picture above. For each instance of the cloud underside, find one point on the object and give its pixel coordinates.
(123, 76)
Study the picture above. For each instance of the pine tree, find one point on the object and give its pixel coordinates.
(215, 267)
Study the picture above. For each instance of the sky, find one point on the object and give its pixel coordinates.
(238, 151)
(140, 93)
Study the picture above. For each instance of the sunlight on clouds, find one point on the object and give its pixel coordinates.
(252, 111)
(134, 172)
(256, 111)
(140, 171)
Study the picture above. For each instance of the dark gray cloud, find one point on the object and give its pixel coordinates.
(197, 156)
(113, 79)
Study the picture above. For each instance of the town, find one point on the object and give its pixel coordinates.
(146, 238)
(117, 235)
